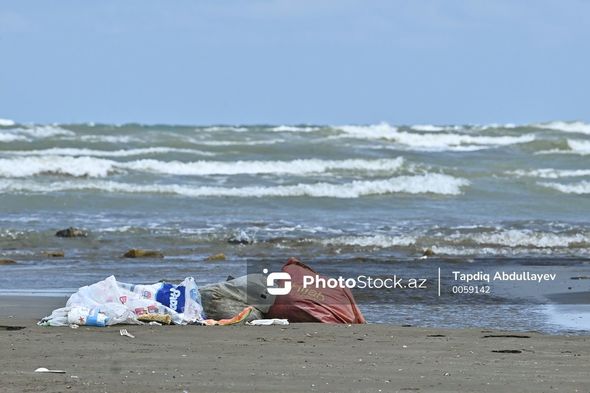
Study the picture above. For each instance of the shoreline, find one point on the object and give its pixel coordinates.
(294, 358)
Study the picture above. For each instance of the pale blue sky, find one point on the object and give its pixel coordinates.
(295, 61)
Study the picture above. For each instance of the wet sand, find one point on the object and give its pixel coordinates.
(295, 358)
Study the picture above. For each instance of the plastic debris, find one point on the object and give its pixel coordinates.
(124, 332)
(268, 322)
(45, 370)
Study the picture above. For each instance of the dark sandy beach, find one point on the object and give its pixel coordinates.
(295, 358)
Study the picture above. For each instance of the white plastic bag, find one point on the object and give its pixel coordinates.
(110, 302)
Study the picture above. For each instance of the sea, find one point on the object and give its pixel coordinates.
(352, 199)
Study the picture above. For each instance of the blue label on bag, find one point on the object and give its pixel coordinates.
(171, 296)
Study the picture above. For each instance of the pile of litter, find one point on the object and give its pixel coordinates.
(242, 300)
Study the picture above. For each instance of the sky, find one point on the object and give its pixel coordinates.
(295, 61)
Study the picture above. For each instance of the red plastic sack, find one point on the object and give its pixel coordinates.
(326, 305)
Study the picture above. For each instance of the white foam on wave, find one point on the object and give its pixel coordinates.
(7, 123)
(10, 137)
(235, 143)
(433, 128)
(575, 127)
(432, 142)
(40, 132)
(551, 173)
(579, 147)
(115, 139)
(98, 167)
(496, 242)
(420, 184)
(284, 128)
(375, 131)
(30, 133)
(528, 238)
(377, 241)
(70, 166)
(222, 128)
(64, 151)
(484, 127)
(294, 167)
(582, 187)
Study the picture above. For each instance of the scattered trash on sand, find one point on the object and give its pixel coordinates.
(337, 305)
(225, 300)
(268, 322)
(45, 370)
(124, 332)
(241, 300)
(111, 302)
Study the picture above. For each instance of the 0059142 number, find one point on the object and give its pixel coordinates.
(470, 289)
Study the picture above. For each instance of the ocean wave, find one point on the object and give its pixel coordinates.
(433, 128)
(41, 132)
(59, 151)
(582, 187)
(284, 128)
(235, 143)
(575, 146)
(551, 173)
(579, 147)
(432, 142)
(529, 238)
(115, 139)
(377, 241)
(295, 167)
(575, 126)
(55, 165)
(10, 137)
(97, 167)
(222, 128)
(500, 241)
(483, 127)
(7, 123)
(374, 131)
(420, 184)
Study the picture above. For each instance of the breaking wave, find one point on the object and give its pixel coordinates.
(98, 167)
(60, 151)
(579, 147)
(295, 167)
(432, 142)
(295, 129)
(575, 127)
(499, 241)
(39, 132)
(551, 173)
(10, 137)
(7, 123)
(420, 184)
(582, 187)
(55, 165)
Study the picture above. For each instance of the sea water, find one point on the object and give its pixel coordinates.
(352, 199)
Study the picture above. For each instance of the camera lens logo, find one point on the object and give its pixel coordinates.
(271, 282)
